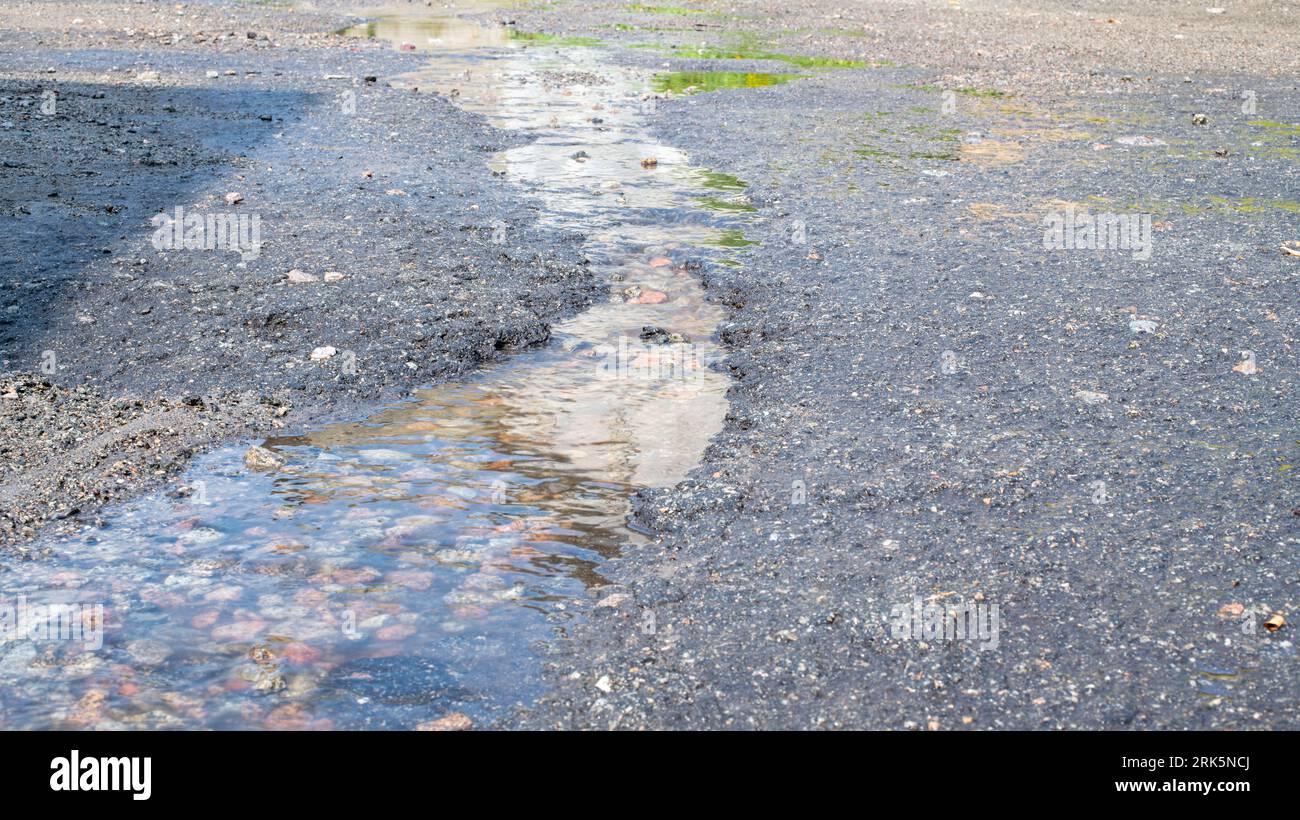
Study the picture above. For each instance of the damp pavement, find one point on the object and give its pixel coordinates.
(934, 408)
(383, 236)
(394, 571)
(931, 407)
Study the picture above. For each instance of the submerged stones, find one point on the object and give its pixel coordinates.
(454, 722)
(353, 574)
(148, 652)
(261, 459)
(660, 336)
(636, 294)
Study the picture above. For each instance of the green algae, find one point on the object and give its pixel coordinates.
(730, 238)
(965, 90)
(718, 181)
(543, 39)
(1255, 205)
(675, 10)
(682, 82)
(714, 203)
(947, 156)
(743, 53)
(1275, 126)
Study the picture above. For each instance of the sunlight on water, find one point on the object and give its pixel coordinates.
(405, 566)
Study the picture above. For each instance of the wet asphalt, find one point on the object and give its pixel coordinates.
(413, 263)
(930, 404)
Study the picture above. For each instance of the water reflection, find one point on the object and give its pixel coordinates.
(403, 567)
(431, 34)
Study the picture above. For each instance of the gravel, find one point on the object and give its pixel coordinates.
(375, 212)
(933, 406)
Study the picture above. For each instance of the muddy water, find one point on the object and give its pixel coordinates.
(405, 566)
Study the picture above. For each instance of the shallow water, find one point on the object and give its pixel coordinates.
(405, 566)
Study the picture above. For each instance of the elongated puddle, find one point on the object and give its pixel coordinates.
(404, 567)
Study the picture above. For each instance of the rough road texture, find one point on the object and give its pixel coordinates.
(387, 192)
(932, 405)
